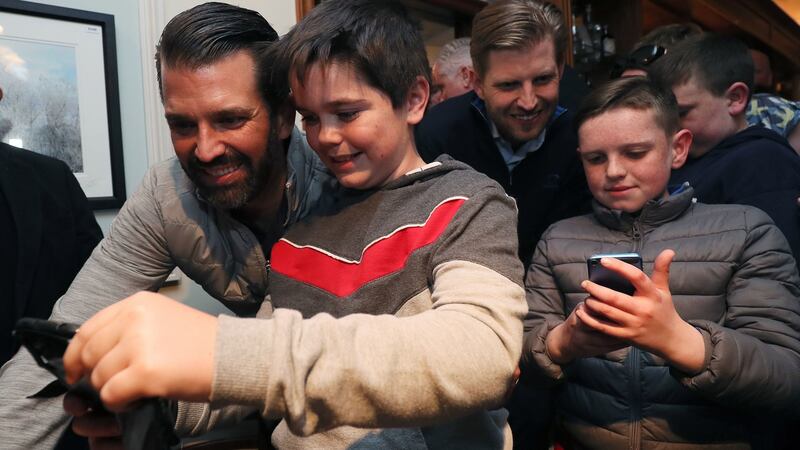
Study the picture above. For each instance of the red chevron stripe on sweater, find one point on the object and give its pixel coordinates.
(342, 277)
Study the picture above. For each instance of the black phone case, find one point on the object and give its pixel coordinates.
(610, 279)
(147, 426)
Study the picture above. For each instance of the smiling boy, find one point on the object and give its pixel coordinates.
(392, 321)
(700, 347)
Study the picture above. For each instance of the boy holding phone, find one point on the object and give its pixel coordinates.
(393, 322)
(706, 351)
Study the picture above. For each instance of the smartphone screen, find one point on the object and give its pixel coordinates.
(610, 279)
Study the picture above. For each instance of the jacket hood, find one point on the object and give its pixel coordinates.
(652, 214)
(751, 133)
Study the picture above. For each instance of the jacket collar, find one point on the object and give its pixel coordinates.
(653, 214)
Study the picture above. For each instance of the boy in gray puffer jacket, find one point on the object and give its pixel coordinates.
(706, 352)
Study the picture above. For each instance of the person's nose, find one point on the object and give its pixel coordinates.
(209, 144)
(615, 169)
(329, 134)
(527, 99)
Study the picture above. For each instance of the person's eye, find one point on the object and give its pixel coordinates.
(682, 112)
(637, 154)
(594, 159)
(507, 86)
(231, 122)
(182, 128)
(543, 80)
(347, 116)
(309, 120)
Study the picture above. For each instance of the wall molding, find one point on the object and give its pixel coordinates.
(152, 18)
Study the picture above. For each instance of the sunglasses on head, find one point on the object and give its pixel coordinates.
(640, 58)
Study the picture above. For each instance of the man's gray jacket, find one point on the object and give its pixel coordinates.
(163, 225)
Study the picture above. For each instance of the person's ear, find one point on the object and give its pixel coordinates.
(560, 70)
(467, 76)
(285, 115)
(477, 84)
(681, 142)
(417, 100)
(737, 95)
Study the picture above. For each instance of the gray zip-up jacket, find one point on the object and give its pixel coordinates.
(163, 225)
(733, 278)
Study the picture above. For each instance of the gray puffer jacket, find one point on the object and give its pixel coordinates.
(733, 278)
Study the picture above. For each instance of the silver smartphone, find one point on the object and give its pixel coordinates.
(608, 278)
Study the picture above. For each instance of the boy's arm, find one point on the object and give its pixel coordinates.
(753, 358)
(545, 312)
(388, 371)
(132, 257)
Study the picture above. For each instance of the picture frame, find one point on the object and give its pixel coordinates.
(58, 72)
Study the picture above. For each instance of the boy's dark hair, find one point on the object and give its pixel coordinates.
(667, 36)
(209, 32)
(714, 61)
(639, 93)
(377, 38)
(516, 25)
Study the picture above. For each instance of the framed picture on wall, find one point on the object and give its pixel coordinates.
(58, 73)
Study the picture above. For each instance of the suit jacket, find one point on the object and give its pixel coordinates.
(55, 226)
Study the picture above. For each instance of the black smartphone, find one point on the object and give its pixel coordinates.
(147, 426)
(47, 341)
(609, 278)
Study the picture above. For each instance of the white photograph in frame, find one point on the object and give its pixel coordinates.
(58, 96)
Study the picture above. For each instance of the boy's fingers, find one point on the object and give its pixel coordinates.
(73, 359)
(603, 309)
(122, 389)
(609, 296)
(661, 269)
(597, 324)
(641, 282)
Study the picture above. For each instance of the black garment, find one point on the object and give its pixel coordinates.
(755, 166)
(8, 273)
(549, 184)
(55, 233)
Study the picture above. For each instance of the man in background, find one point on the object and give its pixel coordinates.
(452, 71)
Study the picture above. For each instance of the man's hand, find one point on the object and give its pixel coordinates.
(101, 427)
(647, 319)
(145, 346)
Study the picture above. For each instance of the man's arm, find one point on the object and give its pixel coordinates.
(133, 257)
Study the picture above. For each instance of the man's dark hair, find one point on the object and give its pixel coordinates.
(639, 93)
(715, 62)
(377, 38)
(207, 33)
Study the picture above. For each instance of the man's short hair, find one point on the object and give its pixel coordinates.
(207, 33)
(377, 38)
(516, 25)
(453, 55)
(715, 62)
(667, 36)
(638, 93)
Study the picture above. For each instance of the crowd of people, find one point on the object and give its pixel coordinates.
(412, 276)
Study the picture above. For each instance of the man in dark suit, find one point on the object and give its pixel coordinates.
(47, 231)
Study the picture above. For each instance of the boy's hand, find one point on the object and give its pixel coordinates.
(101, 427)
(572, 339)
(145, 346)
(647, 319)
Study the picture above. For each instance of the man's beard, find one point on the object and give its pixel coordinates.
(237, 195)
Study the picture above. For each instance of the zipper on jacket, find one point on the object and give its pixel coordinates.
(635, 389)
(637, 236)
